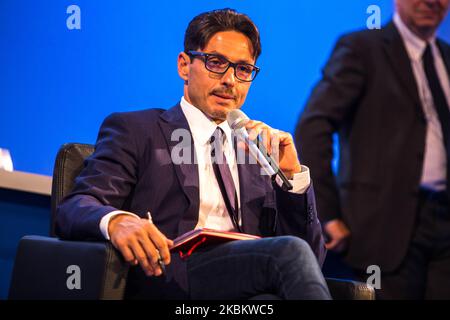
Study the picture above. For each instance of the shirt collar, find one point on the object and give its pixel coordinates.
(414, 45)
(202, 127)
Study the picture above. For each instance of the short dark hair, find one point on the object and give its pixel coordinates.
(205, 25)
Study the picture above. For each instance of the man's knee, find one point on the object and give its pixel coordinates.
(295, 246)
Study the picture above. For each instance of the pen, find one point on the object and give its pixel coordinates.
(160, 262)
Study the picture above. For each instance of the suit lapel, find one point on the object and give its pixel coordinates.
(400, 62)
(186, 171)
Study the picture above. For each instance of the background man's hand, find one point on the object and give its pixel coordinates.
(339, 235)
(140, 241)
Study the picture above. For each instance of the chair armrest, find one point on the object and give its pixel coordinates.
(41, 270)
(350, 290)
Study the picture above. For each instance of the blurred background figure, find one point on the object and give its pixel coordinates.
(386, 94)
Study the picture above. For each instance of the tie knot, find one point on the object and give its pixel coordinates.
(427, 53)
(217, 136)
(217, 141)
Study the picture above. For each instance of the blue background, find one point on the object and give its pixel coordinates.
(57, 85)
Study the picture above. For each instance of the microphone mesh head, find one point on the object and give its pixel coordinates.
(237, 119)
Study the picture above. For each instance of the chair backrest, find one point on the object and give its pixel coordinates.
(104, 271)
(68, 164)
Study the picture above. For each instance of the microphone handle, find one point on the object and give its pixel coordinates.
(279, 176)
(265, 160)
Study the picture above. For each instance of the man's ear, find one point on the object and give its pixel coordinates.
(184, 62)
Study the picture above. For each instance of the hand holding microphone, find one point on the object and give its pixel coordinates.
(250, 132)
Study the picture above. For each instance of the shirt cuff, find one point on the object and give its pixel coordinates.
(301, 181)
(104, 222)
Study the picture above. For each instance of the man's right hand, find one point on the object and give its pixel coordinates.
(140, 241)
(339, 235)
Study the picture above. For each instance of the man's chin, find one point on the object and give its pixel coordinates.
(219, 112)
(428, 22)
(223, 104)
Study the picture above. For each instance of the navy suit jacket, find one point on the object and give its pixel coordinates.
(131, 169)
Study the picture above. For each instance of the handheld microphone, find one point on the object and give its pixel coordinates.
(237, 120)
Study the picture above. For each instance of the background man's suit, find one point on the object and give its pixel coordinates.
(131, 169)
(368, 95)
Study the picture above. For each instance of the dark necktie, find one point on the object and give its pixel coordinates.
(439, 101)
(224, 177)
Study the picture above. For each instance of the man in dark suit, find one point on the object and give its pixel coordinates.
(386, 94)
(154, 176)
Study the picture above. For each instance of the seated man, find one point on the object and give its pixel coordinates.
(134, 193)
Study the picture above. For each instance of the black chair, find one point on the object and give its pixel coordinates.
(43, 265)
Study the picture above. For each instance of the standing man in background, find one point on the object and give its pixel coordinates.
(386, 93)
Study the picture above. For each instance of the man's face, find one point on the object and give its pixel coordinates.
(422, 14)
(217, 94)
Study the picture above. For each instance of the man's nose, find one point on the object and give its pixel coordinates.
(229, 78)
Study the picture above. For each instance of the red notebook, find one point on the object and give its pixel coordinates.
(188, 242)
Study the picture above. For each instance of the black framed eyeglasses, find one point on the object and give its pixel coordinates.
(219, 64)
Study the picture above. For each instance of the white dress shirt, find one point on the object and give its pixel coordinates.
(212, 210)
(434, 173)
